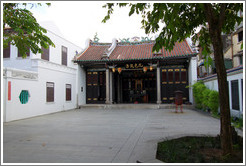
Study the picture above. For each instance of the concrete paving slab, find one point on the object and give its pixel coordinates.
(100, 135)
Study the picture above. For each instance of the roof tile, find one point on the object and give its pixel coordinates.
(134, 51)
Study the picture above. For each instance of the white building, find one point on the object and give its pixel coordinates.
(40, 84)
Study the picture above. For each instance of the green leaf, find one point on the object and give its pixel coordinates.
(22, 30)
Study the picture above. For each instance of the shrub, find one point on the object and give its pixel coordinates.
(198, 89)
(213, 101)
(205, 97)
(237, 122)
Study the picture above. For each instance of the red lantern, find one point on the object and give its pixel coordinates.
(145, 69)
(151, 68)
(119, 70)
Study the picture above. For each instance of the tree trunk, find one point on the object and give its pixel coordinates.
(215, 22)
(225, 117)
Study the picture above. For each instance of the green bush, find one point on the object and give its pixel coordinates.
(213, 101)
(205, 98)
(198, 89)
(205, 101)
(237, 122)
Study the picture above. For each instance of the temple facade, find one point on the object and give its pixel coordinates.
(129, 72)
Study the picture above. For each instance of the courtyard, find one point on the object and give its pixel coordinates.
(100, 135)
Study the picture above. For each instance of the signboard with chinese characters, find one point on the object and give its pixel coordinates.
(134, 66)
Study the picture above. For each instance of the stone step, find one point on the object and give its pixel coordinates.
(133, 106)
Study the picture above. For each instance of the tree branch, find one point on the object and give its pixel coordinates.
(222, 15)
(208, 12)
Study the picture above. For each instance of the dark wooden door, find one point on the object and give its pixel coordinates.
(173, 79)
(95, 87)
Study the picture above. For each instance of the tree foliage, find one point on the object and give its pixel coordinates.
(177, 21)
(22, 30)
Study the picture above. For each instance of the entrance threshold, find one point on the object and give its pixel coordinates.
(133, 106)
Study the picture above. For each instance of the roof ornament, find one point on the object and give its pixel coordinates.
(144, 39)
(125, 40)
(105, 54)
(135, 39)
(96, 39)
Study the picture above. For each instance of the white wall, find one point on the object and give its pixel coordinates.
(212, 84)
(17, 62)
(54, 54)
(192, 73)
(81, 82)
(46, 71)
(37, 104)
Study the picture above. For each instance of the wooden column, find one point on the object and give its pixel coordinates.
(107, 87)
(158, 86)
(118, 93)
(110, 87)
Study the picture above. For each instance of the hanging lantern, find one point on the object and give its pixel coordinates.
(145, 69)
(113, 70)
(119, 70)
(151, 68)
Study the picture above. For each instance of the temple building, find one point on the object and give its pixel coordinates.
(129, 72)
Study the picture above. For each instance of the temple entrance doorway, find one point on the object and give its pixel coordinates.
(135, 86)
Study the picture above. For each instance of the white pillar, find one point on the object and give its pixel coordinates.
(158, 85)
(192, 73)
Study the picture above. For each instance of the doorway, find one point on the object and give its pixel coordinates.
(135, 86)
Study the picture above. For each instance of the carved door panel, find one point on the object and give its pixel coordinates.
(173, 79)
(95, 87)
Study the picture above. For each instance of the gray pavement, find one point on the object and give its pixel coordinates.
(100, 136)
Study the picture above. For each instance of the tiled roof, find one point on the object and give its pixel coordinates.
(93, 53)
(134, 51)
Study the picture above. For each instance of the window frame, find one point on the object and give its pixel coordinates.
(50, 92)
(28, 53)
(235, 95)
(68, 92)
(240, 36)
(46, 54)
(64, 55)
(7, 51)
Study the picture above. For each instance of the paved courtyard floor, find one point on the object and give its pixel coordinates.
(100, 136)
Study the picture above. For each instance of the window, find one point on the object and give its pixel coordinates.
(241, 60)
(24, 96)
(240, 36)
(45, 54)
(50, 91)
(64, 55)
(6, 51)
(68, 92)
(235, 94)
(27, 53)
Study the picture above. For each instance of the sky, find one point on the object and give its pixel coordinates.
(77, 21)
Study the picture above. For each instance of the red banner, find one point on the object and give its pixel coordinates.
(9, 90)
